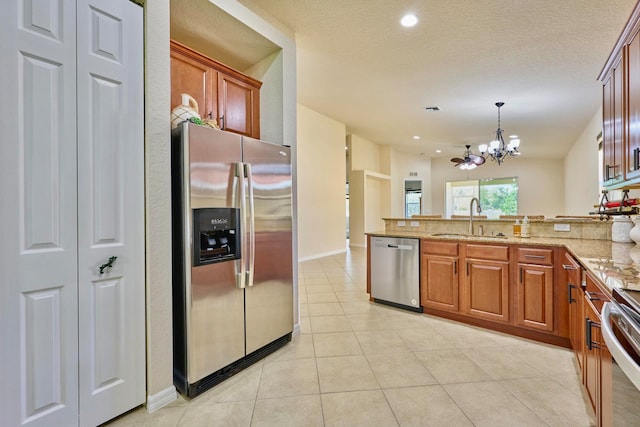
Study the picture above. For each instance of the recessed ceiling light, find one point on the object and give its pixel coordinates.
(416, 137)
(409, 20)
(513, 136)
(434, 108)
(438, 151)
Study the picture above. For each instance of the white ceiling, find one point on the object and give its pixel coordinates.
(357, 65)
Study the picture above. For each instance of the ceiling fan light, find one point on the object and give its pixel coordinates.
(467, 166)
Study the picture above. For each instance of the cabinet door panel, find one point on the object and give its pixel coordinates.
(612, 126)
(591, 374)
(196, 79)
(633, 116)
(535, 297)
(487, 290)
(439, 287)
(238, 104)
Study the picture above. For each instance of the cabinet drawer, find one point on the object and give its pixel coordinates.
(594, 294)
(439, 248)
(535, 256)
(498, 253)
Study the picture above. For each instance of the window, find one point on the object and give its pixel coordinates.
(412, 198)
(498, 196)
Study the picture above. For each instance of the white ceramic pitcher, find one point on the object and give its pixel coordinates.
(188, 109)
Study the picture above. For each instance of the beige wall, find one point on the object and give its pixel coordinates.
(321, 185)
(365, 155)
(581, 166)
(158, 202)
(540, 182)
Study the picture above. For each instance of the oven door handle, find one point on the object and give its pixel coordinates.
(622, 358)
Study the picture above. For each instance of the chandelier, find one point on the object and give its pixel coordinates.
(497, 149)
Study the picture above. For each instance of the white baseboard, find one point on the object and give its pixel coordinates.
(296, 329)
(159, 400)
(311, 257)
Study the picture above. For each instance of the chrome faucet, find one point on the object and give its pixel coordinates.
(479, 209)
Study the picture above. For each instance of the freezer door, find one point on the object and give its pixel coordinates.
(269, 302)
(212, 156)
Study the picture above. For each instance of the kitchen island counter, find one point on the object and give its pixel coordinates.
(613, 264)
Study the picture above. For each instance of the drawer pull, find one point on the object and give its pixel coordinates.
(568, 267)
(588, 324)
(569, 288)
(534, 256)
(593, 296)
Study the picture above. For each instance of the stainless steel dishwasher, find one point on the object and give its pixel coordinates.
(395, 272)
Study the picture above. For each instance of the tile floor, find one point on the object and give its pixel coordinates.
(361, 364)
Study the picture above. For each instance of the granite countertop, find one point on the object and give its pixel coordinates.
(615, 265)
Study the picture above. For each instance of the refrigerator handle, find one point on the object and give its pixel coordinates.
(241, 264)
(252, 226)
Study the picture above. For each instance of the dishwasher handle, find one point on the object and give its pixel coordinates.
(401, 247)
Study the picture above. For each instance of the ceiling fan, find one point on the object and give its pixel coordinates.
(470, 161)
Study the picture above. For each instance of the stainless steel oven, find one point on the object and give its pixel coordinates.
(621, 333)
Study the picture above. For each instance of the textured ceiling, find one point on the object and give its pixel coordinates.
(357, 65)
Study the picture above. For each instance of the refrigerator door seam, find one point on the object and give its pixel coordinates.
(252, 229)
(241, 274)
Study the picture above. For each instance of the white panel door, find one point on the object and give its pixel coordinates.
(46, 218)
(38, 252)
(110, 209)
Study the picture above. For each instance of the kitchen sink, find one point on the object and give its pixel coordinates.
(449, 235)
(460, 236)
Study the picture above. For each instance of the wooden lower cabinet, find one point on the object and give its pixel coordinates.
(576, 301)
(535, 289)
(596, 368)
(439, 282)
(535, 297)
(478, 283)
(591, 368)
(486, 290)
(439, 286)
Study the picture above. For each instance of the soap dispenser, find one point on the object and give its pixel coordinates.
(524, 229)
(517, 229)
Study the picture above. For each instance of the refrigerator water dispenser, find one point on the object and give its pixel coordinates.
(216, 235)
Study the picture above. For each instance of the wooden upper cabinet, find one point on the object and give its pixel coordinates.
(620, 77)
(222, 93)
(612, 126)
(239, 106)
(632, 169)
(196, 79)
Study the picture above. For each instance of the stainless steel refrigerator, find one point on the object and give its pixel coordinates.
(232, 253)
